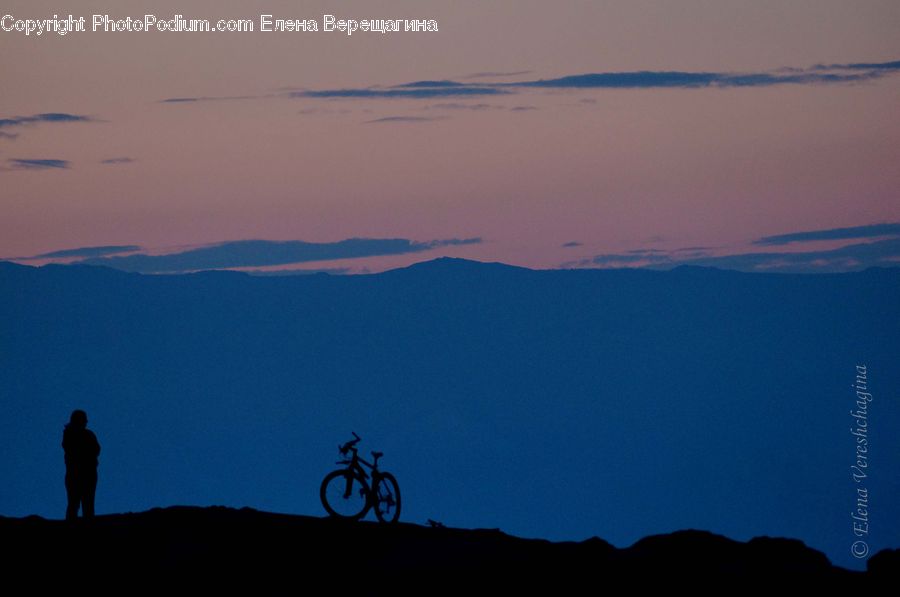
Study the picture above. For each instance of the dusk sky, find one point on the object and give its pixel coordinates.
(566, 134)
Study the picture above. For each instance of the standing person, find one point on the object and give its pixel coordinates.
(82, 449)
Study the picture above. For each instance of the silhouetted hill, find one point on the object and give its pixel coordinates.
(444, 266)
(221, 547)
(552, 403)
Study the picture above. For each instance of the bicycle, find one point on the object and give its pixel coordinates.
(346, 493)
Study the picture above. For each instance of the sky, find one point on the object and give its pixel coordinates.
(755, 135)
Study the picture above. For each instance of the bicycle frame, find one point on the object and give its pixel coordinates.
(379, 489)
(356, 463)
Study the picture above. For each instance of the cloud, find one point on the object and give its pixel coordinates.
(453, 242)
(403, 119)
(869, 231)
(695, 249)
(205, 98)
(628, 259)
(693, 80)
(430, 84)
(522, 108)
(87, 252)
(41, 164)
(46, 117)
(884, 253)
(414, 90)
(854, 257)
(260, 253)
(641, 79)
(645, 251)
(571, 243)
(122, 160)
(860, 66)
(429, 89)
(692, 252)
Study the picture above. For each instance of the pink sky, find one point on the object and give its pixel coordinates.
(613, 169)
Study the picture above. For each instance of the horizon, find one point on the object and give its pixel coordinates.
(855, 249)
(434, 261)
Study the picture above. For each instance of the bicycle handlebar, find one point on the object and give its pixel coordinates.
(344, 448)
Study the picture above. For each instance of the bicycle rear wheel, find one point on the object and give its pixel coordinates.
(345, 494)
(387, 498)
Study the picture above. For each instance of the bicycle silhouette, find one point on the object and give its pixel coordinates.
(346, 493)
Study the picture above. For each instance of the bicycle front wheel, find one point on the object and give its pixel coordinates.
(387, 498)
(345, 494)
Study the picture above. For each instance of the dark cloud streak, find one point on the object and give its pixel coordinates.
(885, 253)
(445, 83)
(37, 164)
(88, 252)
(429, 89)
(46, 117)
(854, 257)
(696, 80)
(869, 231)
(206, 98)
(260, 253)
(895, 65)
(410, 91)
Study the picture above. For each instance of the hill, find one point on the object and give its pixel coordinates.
(221, 548)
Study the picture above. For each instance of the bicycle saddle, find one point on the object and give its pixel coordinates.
(377, 454)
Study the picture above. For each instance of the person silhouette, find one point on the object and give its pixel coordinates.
(82, 449)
